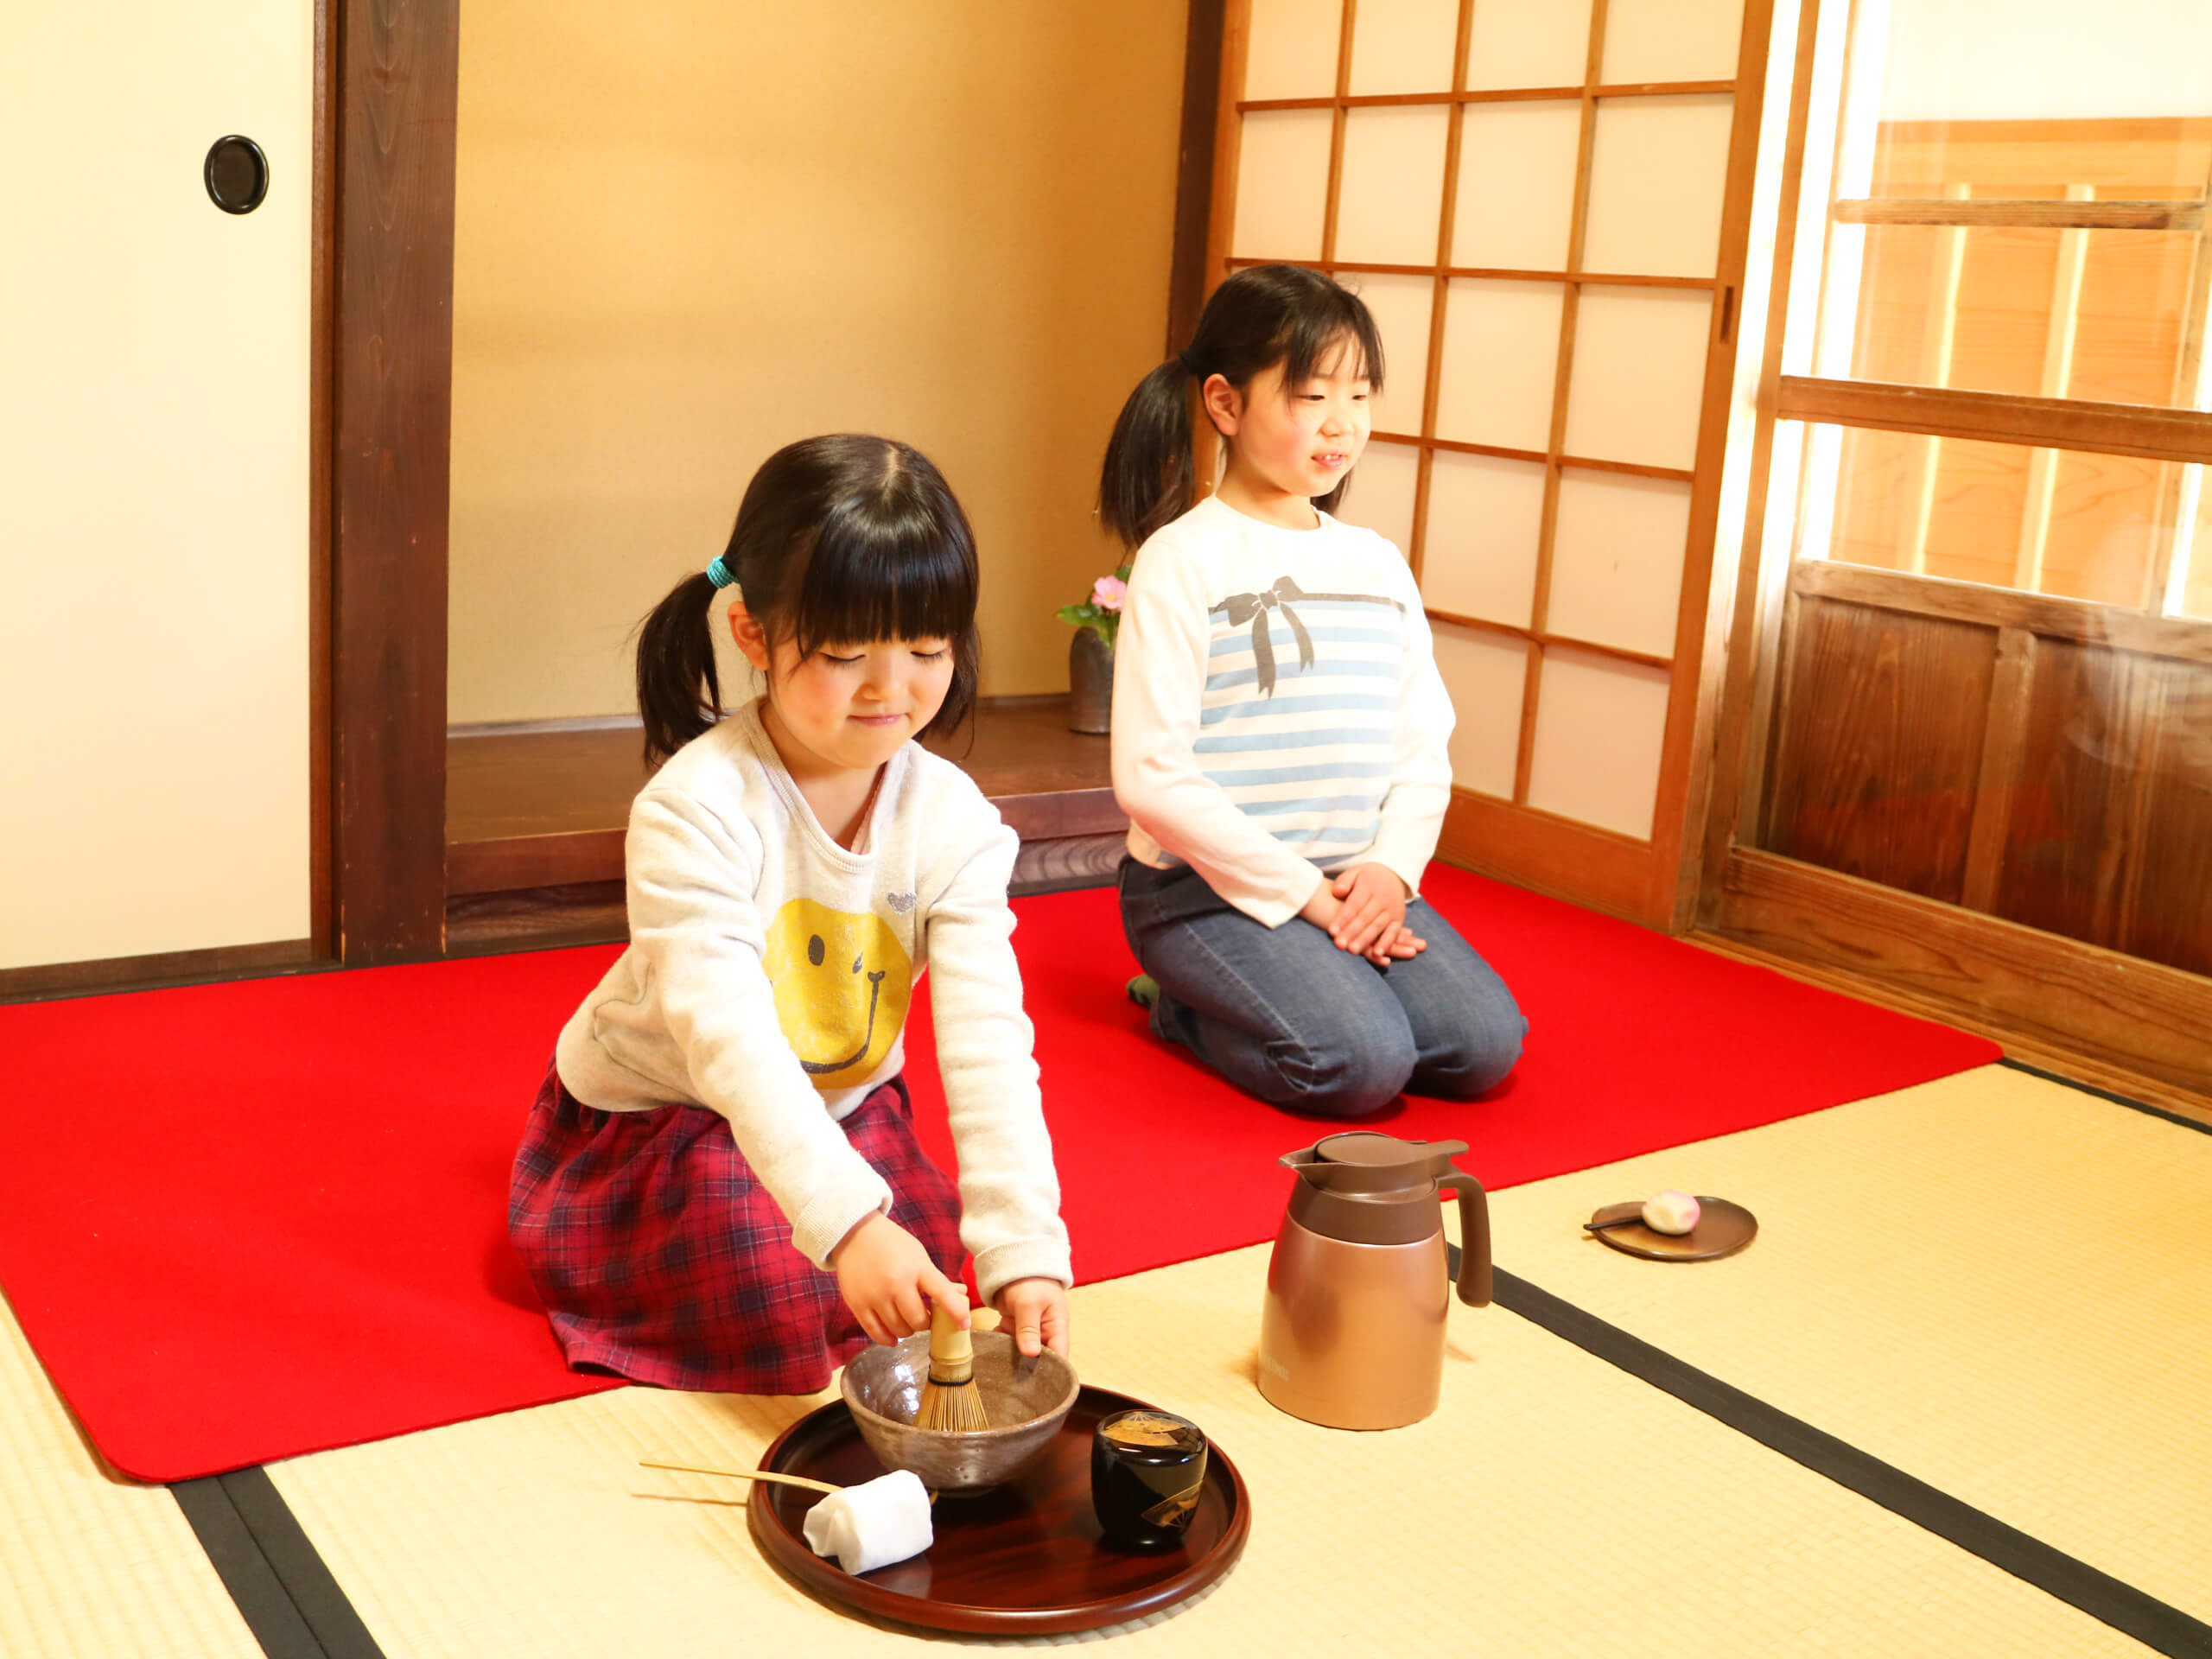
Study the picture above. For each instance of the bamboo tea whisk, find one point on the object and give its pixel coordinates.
(951, 1401)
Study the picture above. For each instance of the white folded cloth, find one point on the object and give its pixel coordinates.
(872, 1524)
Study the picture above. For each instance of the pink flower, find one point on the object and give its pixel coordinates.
(1107, 593)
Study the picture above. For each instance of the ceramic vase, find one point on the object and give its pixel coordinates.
(1090, 682)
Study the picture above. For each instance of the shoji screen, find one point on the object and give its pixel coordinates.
(1530, 194)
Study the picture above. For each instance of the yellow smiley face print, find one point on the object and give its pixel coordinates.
(842, 984)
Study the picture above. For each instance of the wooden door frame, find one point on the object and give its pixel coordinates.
(380, 368)
(394, 91)
(2090, 1012)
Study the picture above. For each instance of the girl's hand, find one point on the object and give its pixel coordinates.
(1401, 945)
(888, 1281)
(1037, 1311)
(1373, 913)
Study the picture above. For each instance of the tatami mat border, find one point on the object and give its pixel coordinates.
(2128, 1101)
(283, 1590)
(2152, 1622)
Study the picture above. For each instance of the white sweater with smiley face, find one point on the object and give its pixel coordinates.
(769, 973)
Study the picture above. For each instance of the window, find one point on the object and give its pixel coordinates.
(2017, 247)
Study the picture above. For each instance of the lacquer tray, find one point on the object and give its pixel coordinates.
(1025, 1559)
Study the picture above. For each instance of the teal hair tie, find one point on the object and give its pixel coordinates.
(719, 574)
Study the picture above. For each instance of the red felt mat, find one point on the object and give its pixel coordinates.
(243, 1222)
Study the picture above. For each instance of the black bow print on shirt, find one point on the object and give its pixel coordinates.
(1254, 609)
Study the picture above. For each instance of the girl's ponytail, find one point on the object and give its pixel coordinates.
(679, 695)
(1150, 475)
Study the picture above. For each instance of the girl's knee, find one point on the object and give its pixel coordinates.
(1359, 1073)
(1483, 1057)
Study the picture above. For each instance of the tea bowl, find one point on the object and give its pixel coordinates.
(1025, 1400)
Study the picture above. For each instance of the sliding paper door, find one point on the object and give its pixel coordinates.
(1534, 197)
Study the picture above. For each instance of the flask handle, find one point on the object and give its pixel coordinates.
(1474, 1237)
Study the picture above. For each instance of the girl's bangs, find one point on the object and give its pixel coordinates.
(1316, 333)
(866, 580)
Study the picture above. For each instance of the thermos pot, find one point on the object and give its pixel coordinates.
(1352, 1333)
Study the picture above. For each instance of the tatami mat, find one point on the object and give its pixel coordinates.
(92, 1566)
(1553, 1506)
(1995, 1283)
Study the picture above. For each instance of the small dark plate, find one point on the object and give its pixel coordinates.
(1722, 1229)
(1025, 1559)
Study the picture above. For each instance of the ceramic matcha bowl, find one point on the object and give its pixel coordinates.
(1025, 1400)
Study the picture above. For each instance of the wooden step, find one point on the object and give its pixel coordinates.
(532, 809)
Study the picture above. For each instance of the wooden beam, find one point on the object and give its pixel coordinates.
(1485, 625)
(2048, 614)
(1722, 517)
(1347, 22)
(1532, 682)
(322, 932)
(1187, 283)
(2080, 998)
(1439, 298)
(396, 96)
(2074, 214)
(1489, 94)
(1490, 273)
(1999, 417)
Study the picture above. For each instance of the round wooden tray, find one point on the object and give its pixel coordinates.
(1722, 1229)
(1024, 1559)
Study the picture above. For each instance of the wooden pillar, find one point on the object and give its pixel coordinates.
(396, 87)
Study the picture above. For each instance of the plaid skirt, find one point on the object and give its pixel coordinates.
(661, 1257)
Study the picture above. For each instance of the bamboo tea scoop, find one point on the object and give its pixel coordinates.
(768, 1475)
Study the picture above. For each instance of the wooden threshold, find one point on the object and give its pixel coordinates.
(2138, 1027)
(2029, 1049)
(106, 975)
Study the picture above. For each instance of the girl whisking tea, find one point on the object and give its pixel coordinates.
(720, 1186)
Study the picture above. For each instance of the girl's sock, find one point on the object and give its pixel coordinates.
(1143, 990)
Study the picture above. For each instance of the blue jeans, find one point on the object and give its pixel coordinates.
(1284, 1014)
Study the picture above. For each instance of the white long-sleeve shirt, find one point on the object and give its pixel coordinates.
(768, 977)
(1277, 711)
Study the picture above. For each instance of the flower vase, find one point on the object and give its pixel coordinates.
(1090, 682)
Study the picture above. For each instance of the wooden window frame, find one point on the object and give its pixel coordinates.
(2096, 1013)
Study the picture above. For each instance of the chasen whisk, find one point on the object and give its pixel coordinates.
(951, 1400)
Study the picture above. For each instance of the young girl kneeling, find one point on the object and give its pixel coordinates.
(720, 1186)
(1278, 729)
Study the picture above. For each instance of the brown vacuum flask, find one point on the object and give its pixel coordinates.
(1352, 1334)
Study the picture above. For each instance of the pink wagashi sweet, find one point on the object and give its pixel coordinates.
(1670, 1212)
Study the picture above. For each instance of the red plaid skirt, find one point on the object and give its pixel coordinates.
(661, 1257)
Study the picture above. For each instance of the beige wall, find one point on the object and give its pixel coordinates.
(153, 483)
(689, 232)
